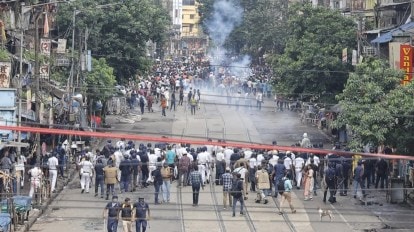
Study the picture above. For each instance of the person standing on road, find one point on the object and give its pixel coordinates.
(259, 100)
(163, 105)
(126, 215)
(141, 215)
(330, 179)
(237, 193)
(263, 185)
(172, 101)
(111, 213)
(166, 182)
(308, 180)
(183, 167)
(382, 170)
(150, 100)
(195, 180)
(156, 175)
(53, 164)
(305, 141)
(99, 177)
(193, 104)
(358, 183)
(36, 175)
(227, 179)
(298, 164)
(111, 178)
(126, 170)
(279, 172)
(20, 167)
(286, 194)
(243, 176)
(86, 174)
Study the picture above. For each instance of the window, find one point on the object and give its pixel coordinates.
(188, 2)
(191, 16)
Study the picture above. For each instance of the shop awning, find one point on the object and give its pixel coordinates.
(387, 37)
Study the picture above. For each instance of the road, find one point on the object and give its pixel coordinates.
(73, 211)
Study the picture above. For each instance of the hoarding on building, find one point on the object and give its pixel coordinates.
(406, 62)
(7, 112)
(5, 68)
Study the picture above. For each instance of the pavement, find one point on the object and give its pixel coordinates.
(73, 211)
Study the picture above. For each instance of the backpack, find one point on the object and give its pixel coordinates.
(330, 174)
(166, 172)
(281, 186)
(235, 188)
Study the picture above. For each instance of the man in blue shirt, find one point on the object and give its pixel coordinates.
(195, 180)
(140, 215)
(126, 169)
(111, 213)
(279, 171)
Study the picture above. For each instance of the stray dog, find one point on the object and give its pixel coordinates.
(325, 212)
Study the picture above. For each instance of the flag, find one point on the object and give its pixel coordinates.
(46, 27)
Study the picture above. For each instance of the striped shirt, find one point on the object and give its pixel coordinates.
(227, 181)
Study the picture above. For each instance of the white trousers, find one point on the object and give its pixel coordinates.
(85, 181)
(298, 173)
(34, 184)
(52, 178)
(202, 170)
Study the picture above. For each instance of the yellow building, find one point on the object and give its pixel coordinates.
(192, 39)
(191, 19)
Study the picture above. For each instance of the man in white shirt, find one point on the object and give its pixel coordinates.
(305, 141)
(86, 174)
(36, 175)
(247, 154)
(298, 164)
(288, 164)
(275, 158)
(227, 154)
(19, 167)
(53, 164)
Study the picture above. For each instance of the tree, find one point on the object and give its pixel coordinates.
(100, 81)
(368, 103)
(312, 59)
(400, 103)
(117, 31)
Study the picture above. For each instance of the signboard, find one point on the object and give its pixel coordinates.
(344, 55)
(44, 71)
(45, 46)
(7, 113)
(406, 62)
(5, 68)
(61, 46)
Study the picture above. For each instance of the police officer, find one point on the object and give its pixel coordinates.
(111, 213)
(126, 215)
(53, 164)
(126, 171)
(141, 215)
(99, 177)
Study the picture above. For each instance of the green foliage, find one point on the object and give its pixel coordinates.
(99, 83)
(312, 59)
(118, 31)
(365, 103)
(4, 55)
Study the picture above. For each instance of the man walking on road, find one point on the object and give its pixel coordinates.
(86, 173)
(140, 215)
(166, 182)
(156, 174)
(183, 167)
(111, 213)
(126, 215)
(196, 182)
(237, 193)
(111, 175)
(99, 177)
(227, 179)
(53, 165)
(285, 192)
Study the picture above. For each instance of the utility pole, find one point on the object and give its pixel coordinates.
(37, 86)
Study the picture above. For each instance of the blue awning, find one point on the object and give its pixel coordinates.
(387, 37)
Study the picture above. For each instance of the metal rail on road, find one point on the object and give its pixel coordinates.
(215, 204)
(285, 217)
(180, 209)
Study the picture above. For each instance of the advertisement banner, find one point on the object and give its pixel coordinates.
(406, 62)
(5, 68)
(45, 47)
(344, 55)
(44, 71)
(61, 46)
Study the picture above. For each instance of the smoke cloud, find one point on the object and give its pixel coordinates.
(227, 14)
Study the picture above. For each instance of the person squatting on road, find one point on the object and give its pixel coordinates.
(111, 213)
